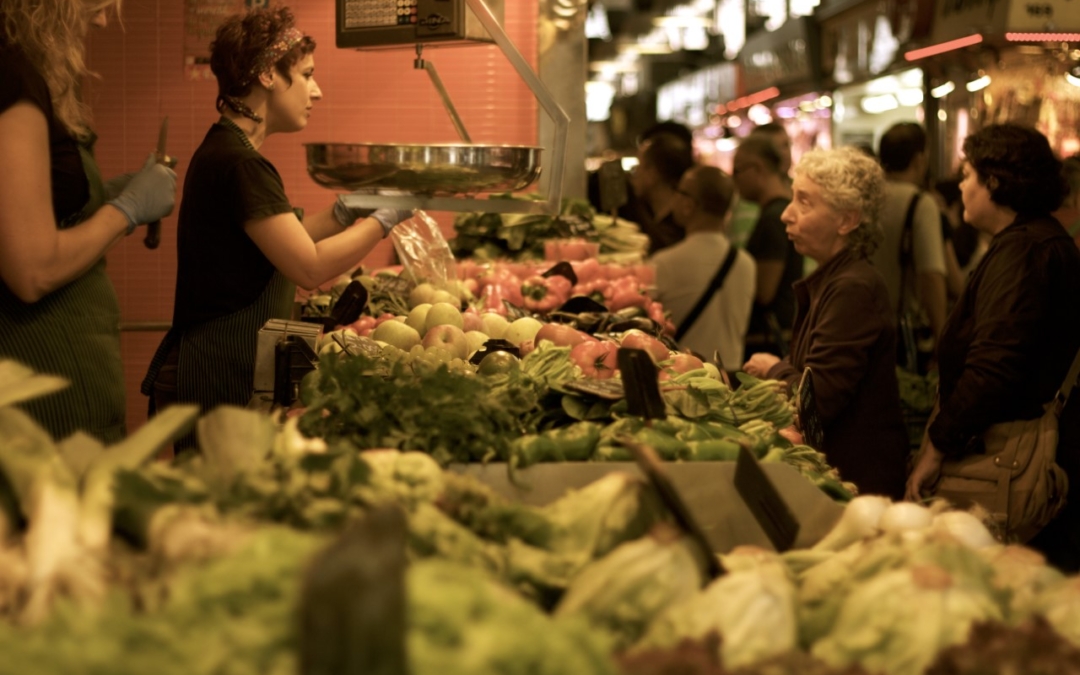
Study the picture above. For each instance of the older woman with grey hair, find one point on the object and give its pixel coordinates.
(844, 329)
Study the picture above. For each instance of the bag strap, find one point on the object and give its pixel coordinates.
(714, 286)
(907, 244)
(1062, 396)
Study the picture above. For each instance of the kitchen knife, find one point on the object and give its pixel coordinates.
(153, 230)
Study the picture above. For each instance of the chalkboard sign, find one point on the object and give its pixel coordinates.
(641, 384)
(764, 501)
(809, 419)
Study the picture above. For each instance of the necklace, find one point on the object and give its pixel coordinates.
(229, 124)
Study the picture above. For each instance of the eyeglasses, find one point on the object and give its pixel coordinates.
(736, 170)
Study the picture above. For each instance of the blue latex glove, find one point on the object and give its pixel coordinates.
(115, 185)
(149, 196)
(388, 218)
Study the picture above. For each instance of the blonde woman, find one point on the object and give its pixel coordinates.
(58, 310)
(844, 328)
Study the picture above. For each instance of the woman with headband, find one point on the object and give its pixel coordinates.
(242, 248)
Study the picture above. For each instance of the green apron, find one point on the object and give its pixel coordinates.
(73, 332)
(216, 360)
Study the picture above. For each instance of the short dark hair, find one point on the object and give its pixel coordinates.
(672, 127)
(769, 129)
(715, 190)
(1018, 167)
(900, 144)
(670, 155)
(760, 147)
(239, 43)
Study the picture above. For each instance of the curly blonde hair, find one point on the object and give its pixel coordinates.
(52, 34)
(850, 181)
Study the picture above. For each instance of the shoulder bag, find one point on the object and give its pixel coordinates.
(1017, 479)
(911, 333)
(714, 286)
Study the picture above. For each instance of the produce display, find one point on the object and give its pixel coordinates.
(273, 551)
(491, 236)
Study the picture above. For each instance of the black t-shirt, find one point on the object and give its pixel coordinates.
(220, 270)
(20, 81)
(770, 242)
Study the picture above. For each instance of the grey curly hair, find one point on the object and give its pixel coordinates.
(850, 181)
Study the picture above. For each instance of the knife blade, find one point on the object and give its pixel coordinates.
(153, 230)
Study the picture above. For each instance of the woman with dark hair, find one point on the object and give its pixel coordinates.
(1014, 332)
(59, 313)
(845, 329)
(242, 247)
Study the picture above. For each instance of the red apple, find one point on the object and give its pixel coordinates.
(449, 337)
(472, 320)
(639, 339)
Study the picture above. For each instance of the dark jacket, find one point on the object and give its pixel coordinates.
(1005, 350)
(845, 332)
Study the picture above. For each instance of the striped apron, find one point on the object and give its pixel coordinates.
(73, 332)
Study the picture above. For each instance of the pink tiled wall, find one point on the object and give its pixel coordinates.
(367, 97)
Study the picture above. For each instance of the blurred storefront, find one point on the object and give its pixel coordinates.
(872, 86)
(782, 80)
(1004, 61)
(694, 100)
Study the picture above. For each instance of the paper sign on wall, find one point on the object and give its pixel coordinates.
(201, 21)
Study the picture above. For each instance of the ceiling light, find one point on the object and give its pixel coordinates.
(941, 48)
(682, 21)
(878, 104)
(943, 90)
(909, 98)
(978, 83)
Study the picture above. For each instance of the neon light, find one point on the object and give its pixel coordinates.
(959, 43)
(753, 99)
(1042, 37)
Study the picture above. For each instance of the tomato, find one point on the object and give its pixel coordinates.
(638, 339)
(561, 335)
(596, 358)
(497, 363)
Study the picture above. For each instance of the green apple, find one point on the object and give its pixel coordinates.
(422, 293)
(398, 334)
(522, 330)
(418, 317)
(447, 337)
(444, 314)
(446, 296)
(476, 339)
(494, 324)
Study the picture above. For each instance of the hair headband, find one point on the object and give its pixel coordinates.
(288, 39)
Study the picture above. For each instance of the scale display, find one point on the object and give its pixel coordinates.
(378, 13)
(376, 24)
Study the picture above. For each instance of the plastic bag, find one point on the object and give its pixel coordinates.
(423, 251)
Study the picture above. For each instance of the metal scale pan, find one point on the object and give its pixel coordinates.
(438, 170)
(442, 177)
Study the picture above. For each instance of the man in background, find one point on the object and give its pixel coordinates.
(745, 214)
(662, 161)
(919, 283)
(686, 270)
(759, 178)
